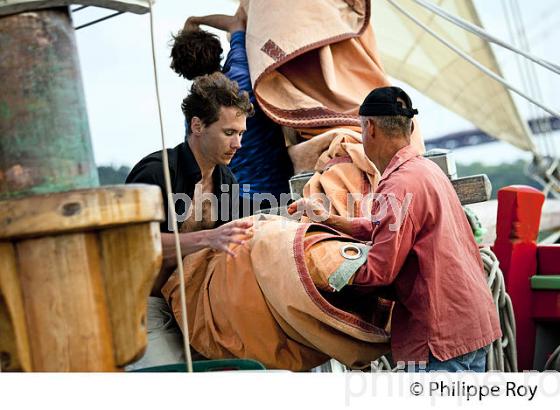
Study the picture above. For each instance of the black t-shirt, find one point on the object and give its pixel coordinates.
(185, 173)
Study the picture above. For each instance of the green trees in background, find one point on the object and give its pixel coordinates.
(109, 175)
(500, 175)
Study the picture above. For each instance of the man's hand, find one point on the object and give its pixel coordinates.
(318, 213)
(192, 24)
(241, 17)
(312, 208)
(235, 232)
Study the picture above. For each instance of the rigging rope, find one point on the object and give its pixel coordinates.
(91, 23)
(520, 68)
(483, 34)
(474, 62)
(548, 174)
(544, 169)
(172, 216)
(533, 78)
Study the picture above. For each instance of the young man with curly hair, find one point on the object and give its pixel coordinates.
(216, 112)
(262, 162)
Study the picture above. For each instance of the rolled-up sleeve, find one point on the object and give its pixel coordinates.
(391, 244)
(236, 66)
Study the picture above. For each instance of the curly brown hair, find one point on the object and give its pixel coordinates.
(211, 92)
(195, 53)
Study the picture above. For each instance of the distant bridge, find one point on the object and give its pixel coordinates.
(470, 138)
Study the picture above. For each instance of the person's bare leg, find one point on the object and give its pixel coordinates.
(304, 155)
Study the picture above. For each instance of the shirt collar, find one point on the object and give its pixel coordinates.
(193, 170)
(189, 161)
(402, 156)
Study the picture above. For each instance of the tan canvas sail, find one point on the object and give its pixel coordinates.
(412, 55)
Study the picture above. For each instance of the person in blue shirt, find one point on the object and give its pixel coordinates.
(262, 162)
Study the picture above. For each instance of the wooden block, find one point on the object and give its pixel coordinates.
(473, 189)
(64, 303)
(76, 269)
(470, 190)
(79, 210)
(18, 6)
(487, 211)
(14, 342)
(131, 260)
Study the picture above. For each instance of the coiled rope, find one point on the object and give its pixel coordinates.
(553, 362)
(503, 354)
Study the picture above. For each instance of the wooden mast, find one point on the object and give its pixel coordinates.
(76, 261)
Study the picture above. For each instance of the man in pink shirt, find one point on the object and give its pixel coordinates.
(422, 248)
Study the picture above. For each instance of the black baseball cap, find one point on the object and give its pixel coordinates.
(383, 102)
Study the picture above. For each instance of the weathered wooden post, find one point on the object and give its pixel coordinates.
(76, 261)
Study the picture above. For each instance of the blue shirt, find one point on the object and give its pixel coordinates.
(262, 161)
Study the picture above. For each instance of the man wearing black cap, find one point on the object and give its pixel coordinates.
(422, 248)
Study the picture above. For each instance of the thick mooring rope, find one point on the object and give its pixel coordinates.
(503, 354)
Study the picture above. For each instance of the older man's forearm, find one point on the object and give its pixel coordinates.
(359, 228)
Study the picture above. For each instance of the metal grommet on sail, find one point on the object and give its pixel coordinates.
(344, 252)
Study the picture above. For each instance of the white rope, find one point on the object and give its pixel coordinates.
(533, 79)
(523, 74)
(184, 320)
(475, 63)
(478, 31)
(553, 362)
(503, 354)
(546, 174)
(529, 75)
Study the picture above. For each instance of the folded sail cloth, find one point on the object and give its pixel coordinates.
(265, 303)
(315, 68)
(344, 174)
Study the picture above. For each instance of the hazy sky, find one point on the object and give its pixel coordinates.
(117, 74)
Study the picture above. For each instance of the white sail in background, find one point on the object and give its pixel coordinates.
(411, 55)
